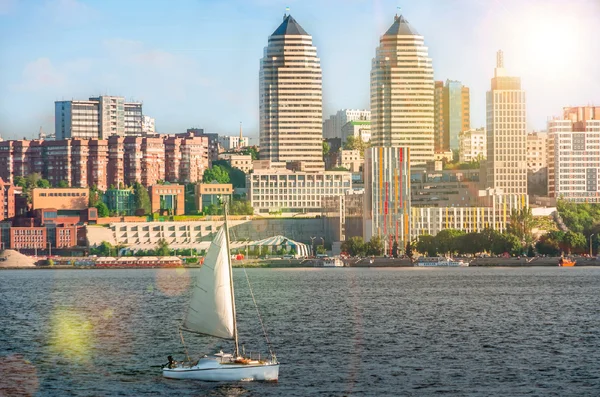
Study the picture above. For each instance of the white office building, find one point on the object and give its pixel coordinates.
(472, 145)
(333, 126)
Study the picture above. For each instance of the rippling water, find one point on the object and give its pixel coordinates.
(469, 332)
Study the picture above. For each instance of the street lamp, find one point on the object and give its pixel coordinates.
(591, 235)
(49, 248)
(312, 245)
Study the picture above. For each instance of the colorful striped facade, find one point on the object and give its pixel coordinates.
(387, 194)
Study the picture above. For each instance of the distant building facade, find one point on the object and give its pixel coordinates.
(343, 215)
(387, 195)
(506, 158)
(233, 142)
(359, 129)
(452, 114)
(212, 193)
(332, 127)
(574, 155)
(402, 93)
(148, 125)
(290, 98)
(98, 118)
(168, 198)
(294, 192)
(537, 163)
(7, 200)
(60, 198)
(472, 145)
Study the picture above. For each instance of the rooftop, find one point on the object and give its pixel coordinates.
(289, 26)
(401, 27)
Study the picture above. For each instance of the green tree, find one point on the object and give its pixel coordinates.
(32, 180)
(395, 249)
(216, 173)
(162, 248)
(409, 250)
(326, 148)
(574, 241)
(340, 169)
(241, 207)
(427, 244)
(447, 240)
(252, 151)
(44, 183)
(20, 181)
(141, 199)
(520, 225)
(104, 249)
(356, 143)
(212, 209)
(507, 243)
(375, 246)
(94, 196)
(471, 243)
(354, 246)
(321, 250)
(103, 211)
(63, 184)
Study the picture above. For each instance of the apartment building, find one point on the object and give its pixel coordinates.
(472, 145)
(537, 163)
(294, 192)
(333, 126)
(7, 200)
(574, 155)
(98, 118)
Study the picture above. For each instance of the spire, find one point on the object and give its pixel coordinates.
(500, 59)
(241, 133)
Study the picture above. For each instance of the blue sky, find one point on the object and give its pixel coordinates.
(196, 62)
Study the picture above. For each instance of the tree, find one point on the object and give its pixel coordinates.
(216, 173)
(548, 246)
(32, 180)
(354, 246)
(44, 183)
(252, 151)
(162, 248)
(63, 184)
(356, 143)
(447, 240)
(574, 241)
(20, 181)
(520, 225)
(326, 148)
(241, 207)
(104, 249)
(409, 250)
(103, 211)
(94, 196)
(212, 209)
(321, 250)
(375, 246)
(507, 243)
(427, 244)
(340, 169)
(141, 199)
(395, 249)
(471, 243)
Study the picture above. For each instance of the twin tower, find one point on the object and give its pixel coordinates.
(291, 104)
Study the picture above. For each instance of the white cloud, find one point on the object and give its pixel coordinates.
(39, 75)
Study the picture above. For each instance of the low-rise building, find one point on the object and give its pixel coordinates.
(167, 198)
(7, 200)
(359, 129)
(242, 162)
(294, 192)
(351, 160)
(60, 198)
(120, 201)
(343, 215)
(472, 145)
(212, 193)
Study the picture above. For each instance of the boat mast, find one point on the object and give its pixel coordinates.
(235, 333)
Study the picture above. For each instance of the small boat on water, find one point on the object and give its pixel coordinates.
(212, 312)
(330, 262)
(440, 262)
(564, 262)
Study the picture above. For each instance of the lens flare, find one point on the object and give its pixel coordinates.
(173, 282)
(72, 335)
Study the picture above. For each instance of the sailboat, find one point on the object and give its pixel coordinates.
(212, 312)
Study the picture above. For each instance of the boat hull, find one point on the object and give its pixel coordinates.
(214, 371)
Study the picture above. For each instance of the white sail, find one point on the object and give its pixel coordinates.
(211, 307)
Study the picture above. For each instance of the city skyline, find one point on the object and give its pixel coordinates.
(176, 62)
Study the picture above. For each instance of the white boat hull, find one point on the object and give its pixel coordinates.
(209, 369)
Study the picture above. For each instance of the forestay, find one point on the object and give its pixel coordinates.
(211, 307)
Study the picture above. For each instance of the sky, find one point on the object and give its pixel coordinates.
(195, 63)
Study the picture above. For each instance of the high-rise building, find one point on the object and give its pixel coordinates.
(471, 145)
(332, 127)
(506, 133)
(537, 163)
(574, 155)
(97, 118)
(402, 93)
(452, 114)
(290, 98)
(148, 125)
(387, 195)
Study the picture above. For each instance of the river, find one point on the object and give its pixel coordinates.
(337, 332)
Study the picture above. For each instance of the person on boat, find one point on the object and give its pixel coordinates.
(172, 363)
